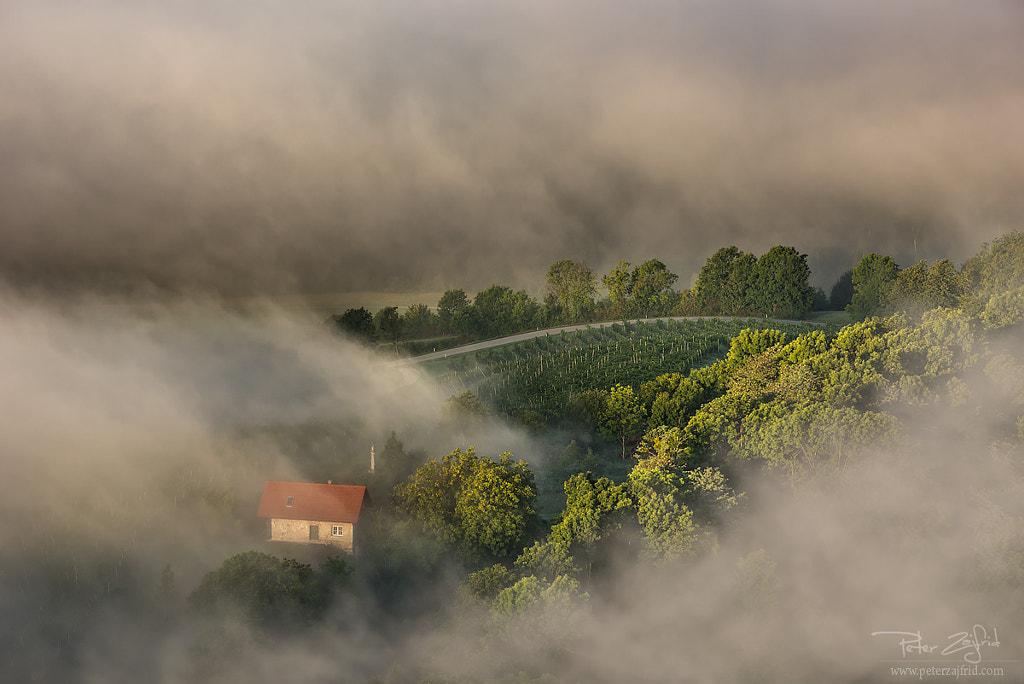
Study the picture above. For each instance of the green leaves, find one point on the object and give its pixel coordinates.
(572, 284)
(780, 284)
(873, 277)
(776, 285)
(645, 291)
(667, 522)
(270, 592)
(623, 414)
(482, 507)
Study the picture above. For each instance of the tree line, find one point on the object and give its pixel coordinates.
(731, 283)
(776, 286)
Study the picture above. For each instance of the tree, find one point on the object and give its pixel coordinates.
(394, 463)
(356, 323)
(812, 438)
(780, 284)
(661, 447)
(673, 398)
(583, 412)
(619, 283)
(751, 342)
(594, 510)
(873, 277)
(464, 407)
(820, 299)
(572, 285)
(842, 291)
(502, 311)
(723, 282)
(268, 591)
(452, 302)
(644, 291)
(420, 322)
(651, 288)
(920, 288)
(623, 413)
(390, 324)
(482, 507)
(998, 267)
(667, 522)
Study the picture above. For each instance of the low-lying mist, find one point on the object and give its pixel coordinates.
(255, 147)
(135, 442)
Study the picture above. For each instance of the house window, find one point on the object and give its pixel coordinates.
(337, 530)
(314, 533)
(290, 502)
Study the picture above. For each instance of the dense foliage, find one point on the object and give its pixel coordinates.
(776, 285)
(731, 283)
(481, 507)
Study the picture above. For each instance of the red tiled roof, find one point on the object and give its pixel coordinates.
(312, 501)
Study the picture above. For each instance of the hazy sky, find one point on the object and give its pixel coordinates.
(322, 146)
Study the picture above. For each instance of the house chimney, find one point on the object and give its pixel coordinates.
(330, 482)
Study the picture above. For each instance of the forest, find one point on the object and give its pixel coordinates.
(561, 489)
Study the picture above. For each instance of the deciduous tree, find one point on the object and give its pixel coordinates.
(623, 414)
(572, 285)
(652, 284)
(781, 284)
(452, 302)
(872, 279)
(357, 324)
(724, 281)
(482, 507)
(390, 324)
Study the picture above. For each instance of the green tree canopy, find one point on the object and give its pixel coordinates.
(623, 414)
(643, 291)
(357, 324)
(482, 507)
(995, 281)
(594, 512)
(651, 288)
(873, 277)
(452, 303)
(842, 291)
(781, 284)
(724, 282)
(619, 283)
(502, 311)
(920, 288)
(420, 322)
(572, 285)
(270, 592)
(390, 324)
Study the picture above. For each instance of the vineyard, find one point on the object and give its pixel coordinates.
(541, 375)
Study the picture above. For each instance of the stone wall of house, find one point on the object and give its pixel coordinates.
(298, 531)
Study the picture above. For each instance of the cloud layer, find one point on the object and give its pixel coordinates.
(244, 147)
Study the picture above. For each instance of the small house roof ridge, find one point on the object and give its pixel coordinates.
(313, 501)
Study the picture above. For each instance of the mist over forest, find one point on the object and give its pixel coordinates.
(718, 495)
(263, 148)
